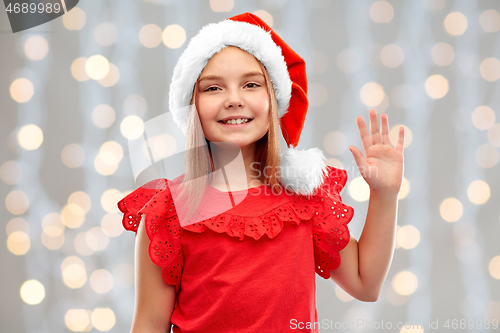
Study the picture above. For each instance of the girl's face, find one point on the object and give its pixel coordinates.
(232, 86)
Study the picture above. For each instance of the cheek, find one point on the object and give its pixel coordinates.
(207, 110)
(261, 104)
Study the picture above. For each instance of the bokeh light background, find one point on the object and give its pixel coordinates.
(72, 91)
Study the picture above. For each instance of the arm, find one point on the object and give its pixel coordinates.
(154, 299)
(365, 264)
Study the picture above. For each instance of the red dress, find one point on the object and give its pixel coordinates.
(251, 268)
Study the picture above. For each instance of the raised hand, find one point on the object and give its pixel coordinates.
(382, 165)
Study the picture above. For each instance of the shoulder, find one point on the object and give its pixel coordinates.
(132, 204)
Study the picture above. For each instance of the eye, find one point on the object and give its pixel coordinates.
(209, 89)
(256, 85)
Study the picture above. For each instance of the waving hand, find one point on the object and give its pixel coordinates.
(382, 165)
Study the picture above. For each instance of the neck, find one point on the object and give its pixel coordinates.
(233, 164)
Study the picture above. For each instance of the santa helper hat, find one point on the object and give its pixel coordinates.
(301, 171)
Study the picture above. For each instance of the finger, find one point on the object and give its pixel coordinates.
(386, 139)
(366, 141)
(401, 140)
(374, 128)
(360, 159)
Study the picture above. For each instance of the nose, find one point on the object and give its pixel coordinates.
(234, 99)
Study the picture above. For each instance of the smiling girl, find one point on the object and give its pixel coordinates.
(203, 265)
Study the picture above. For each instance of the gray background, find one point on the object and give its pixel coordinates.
(439, 163)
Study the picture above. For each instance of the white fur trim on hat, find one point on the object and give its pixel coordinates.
(302, 171)
(211, 39)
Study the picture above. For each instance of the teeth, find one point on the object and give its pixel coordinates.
(236, 121)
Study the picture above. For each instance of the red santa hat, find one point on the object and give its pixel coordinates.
(301, 171)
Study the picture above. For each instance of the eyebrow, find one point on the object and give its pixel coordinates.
(215, 77)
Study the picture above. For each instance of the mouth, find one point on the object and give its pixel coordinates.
(236, 122)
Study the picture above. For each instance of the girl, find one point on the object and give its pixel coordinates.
(244, 260)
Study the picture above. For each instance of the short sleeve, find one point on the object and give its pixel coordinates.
(154, 200)
(330, 230)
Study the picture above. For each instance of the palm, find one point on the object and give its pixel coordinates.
(382, 165)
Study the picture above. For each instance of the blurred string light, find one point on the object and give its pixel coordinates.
(17, 202)
(451, 209)
(392, 55)
(490, 69)
(21, 90)
(455, 24)
(404, 283)
(36, 48)
(78, 69)
(317, 94)
(132, 127)
(103, 319)
(17, 224)
(109, 156)
(109, 199)
(442, 54)
(487, 156)
(53, 231)
(494, 267)
(494, 135)
(73, 272)
(18, 243)
(483, 117)
(97, 67)
(381, 12)
(101, 281)
(436, 86)
(103, 116)
(112, 77)
(478, 192)
(372, 94)
(150, 35)
(335, 143)
(105, 34)
(30, 137)
(161, 146)
(490, 20)
(72, 215)
(407, 237)
(78, 320)
(84, 320)
(358, 189)
(11, 172)
(174, 36)
(32, 292)
(223, 6)
(74, 19)
(111, 224)
(73, 155)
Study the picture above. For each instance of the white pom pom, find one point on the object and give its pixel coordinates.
(303, 171)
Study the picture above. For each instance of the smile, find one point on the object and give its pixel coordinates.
(236, 122)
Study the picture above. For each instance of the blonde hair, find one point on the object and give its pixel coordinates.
(200, 163)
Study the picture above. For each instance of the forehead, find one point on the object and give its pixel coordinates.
(232, 58)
